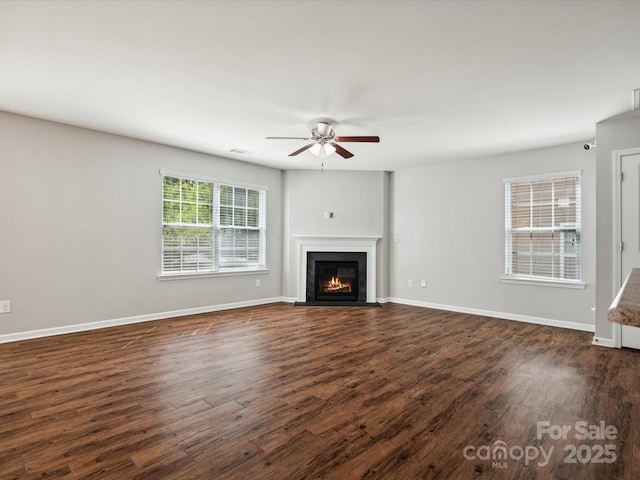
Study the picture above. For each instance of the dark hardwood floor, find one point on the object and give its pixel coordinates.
(282, 392)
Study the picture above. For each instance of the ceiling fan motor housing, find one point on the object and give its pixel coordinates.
(323, 133)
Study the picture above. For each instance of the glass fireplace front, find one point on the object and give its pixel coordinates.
(336, 280)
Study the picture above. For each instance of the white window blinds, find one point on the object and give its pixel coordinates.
(241, 227)
(211, 227)
(542, 227)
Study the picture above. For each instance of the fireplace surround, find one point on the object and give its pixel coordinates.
(337, 244)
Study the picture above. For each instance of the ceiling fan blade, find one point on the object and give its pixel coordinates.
(359, 139)
(286, 138)
(344, 153)
(306, 147)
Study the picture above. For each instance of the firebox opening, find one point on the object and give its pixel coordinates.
(336, 280)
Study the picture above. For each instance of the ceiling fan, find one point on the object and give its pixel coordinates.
(325, 142)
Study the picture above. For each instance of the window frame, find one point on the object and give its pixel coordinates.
(508, 276)
(217, 269)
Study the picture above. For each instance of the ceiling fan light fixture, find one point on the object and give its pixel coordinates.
(315, 150)
(329, 149)
(322, 150)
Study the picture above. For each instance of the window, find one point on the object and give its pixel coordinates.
(211, 227)
(542, 228)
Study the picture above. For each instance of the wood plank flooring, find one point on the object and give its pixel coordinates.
(282, 392)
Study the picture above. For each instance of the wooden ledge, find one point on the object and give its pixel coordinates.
(625, 308)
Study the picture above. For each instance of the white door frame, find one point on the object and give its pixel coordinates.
(618, 157)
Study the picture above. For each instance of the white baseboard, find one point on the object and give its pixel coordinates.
(81, 327)
(604, 342)
(505, 316)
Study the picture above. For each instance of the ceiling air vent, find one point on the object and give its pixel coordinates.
(240, 151)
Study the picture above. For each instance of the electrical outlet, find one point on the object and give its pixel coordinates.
(423, 284)
(5, 306)
(257, 282)
(410, 283)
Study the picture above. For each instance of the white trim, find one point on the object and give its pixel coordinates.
(545, 282)
(204, 178)
(604, 342)
(336, 243)
(543, 176)
(550, 322)
(616, 332)
(617, 157)
(230, 273)
(324, 239)
(81, 327)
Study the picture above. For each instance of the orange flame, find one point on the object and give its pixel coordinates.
(336, 285)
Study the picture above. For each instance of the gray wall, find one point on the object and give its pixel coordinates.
(618, 133)
(449, 219)
(358, 201)
(80, 227)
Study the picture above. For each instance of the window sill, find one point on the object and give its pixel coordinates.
(545, 282)
(227, 273)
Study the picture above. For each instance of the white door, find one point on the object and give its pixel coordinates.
(630, 232)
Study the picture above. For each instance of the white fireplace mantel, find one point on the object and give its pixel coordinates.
(336, 243)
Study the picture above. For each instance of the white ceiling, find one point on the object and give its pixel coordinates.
(436, 80)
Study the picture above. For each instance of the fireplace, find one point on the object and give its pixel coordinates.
(336, 278)
(336, 244)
